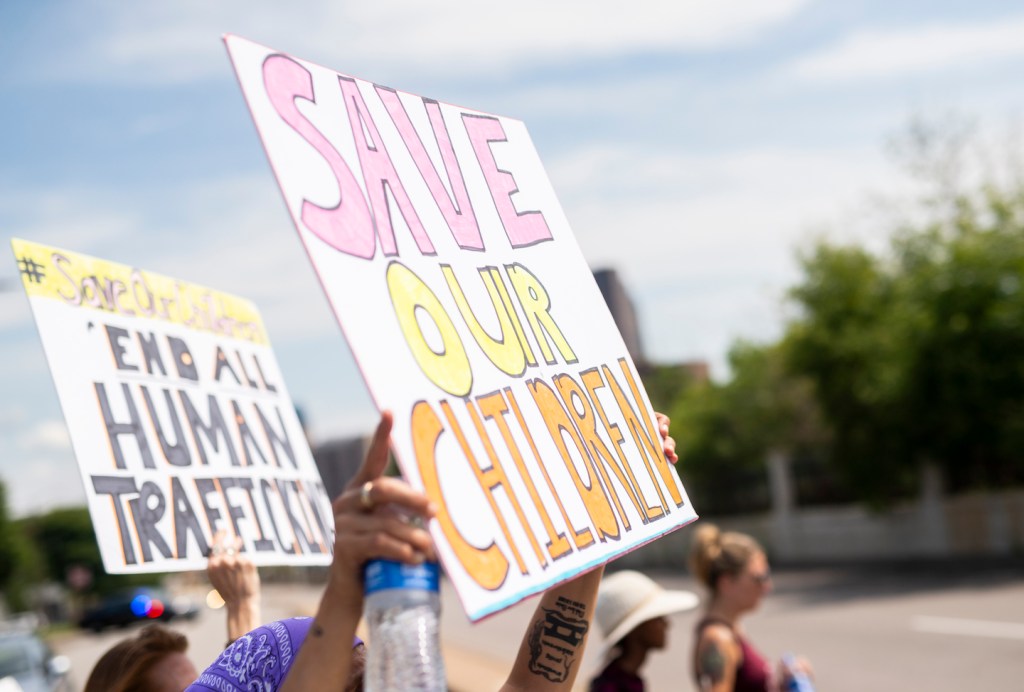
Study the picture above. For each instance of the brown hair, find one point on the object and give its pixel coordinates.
(358, 670)
(714, 553)
(125, 666)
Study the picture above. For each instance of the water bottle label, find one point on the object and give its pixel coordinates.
(387, 574)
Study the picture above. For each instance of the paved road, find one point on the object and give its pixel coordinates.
(934, 627)
(938, 628)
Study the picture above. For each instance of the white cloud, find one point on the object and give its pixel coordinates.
(178, 42)
(73, 216)
(39, 483)
(706, 244)
(248, 244)
(25, 358)
(47, 435)
(11, 416)
(250, 248)
(920, 49)
(13, 307)
(740, 200)
(67, 215)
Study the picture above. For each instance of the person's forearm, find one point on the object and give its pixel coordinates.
(243, 617)
(552, 647)
(325, 658)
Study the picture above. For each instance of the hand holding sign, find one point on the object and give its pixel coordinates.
(668, 443)
(371, 518)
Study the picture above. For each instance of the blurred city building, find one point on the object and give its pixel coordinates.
(616, 297)
(338, 461)
(623, 312)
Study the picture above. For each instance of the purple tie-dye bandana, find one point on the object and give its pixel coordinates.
(259, 660)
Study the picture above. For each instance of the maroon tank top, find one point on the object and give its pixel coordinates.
(754, 672)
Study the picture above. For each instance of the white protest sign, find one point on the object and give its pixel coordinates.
(473, 316)
(178, 416)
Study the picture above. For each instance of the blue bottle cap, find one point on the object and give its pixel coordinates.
(380, 575)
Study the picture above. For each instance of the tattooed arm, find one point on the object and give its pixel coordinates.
(717, 659)
(552, 648)
(551, 652)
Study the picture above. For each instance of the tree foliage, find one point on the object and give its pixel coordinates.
(851, 342)
(7, 550)
(896, 358)
(19, 560)
(917, 352)
(965, 378)
(726, 431)
(65, 538)
(44, 548)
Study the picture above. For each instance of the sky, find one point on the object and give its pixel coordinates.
(694, 145)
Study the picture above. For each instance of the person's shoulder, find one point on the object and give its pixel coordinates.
(717, 633)
(717, 655)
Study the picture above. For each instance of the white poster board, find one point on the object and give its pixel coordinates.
(178, 416)
(474, 318)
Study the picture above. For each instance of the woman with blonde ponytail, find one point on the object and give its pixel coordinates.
(734, 568)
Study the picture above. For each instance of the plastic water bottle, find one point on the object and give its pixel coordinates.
(402, 610)
(796, 680)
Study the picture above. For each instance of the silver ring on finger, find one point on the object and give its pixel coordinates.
(365, 499)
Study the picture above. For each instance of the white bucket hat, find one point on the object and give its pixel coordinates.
(627, 599)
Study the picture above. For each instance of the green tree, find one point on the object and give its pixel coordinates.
(917, 352)
(897, 358)
(28, 571)
(727, 431)
(65, 539)
(20, 565)
(965, 374)
(851, 341)
(665, 384)
(7, 549)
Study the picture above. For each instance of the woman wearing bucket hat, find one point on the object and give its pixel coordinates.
(631, 613)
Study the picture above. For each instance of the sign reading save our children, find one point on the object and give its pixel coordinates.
(474, 318)
(178, 416)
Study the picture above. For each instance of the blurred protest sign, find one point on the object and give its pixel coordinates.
(178, 416)
(473, 316)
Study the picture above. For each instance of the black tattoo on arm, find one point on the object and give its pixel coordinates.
(556, 637)
(710, 666)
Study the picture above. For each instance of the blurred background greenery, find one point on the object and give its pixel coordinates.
(56, 547)
(893, 358)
